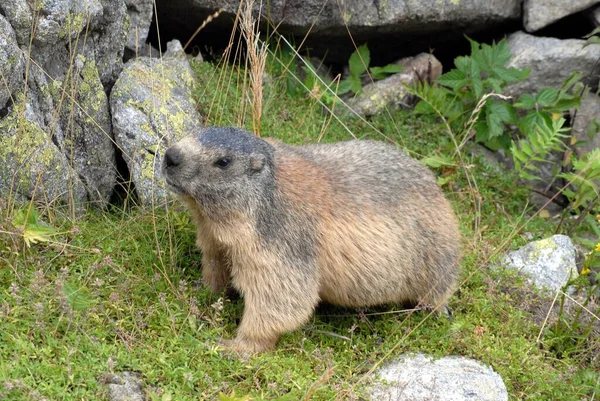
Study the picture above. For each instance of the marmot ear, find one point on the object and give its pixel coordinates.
(257, 162)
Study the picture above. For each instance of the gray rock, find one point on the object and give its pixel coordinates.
(32, 166)
(329, 21)
(109, 37)
(588, 111)
(540, 13)
(76, 56)
(140, 17)
(391, 92)
(56, 20)
(548, 263)
(594, 16)
(152, 105)
(12, 62)
(453, 378)
(125, 386)
(551, 61)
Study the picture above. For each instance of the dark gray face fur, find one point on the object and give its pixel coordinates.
(219, 167)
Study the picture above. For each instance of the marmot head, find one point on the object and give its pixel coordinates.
(219, 166)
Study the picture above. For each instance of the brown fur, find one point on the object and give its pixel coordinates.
(353, 224)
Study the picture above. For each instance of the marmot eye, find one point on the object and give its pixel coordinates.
(223, 162)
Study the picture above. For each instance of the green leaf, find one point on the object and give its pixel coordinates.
(454, 79)
(511, 74)
(79, 298)
(355, 84)
(547, 97)
(438, 161)
(423, 108)
(33, 234)
(596, 31)
(382, 72)
(359, 61)
(526, 102)
(504, 111)
(25, 217)
(463, 64)
(345, 86)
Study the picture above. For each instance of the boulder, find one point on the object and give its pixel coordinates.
(391, 92)
(140, 17)
(32, 166)
(328, 22)
(548, 263)
(125, 386)
(12, 63)
(152, 105)
(76, 55)
(551, 61)
(109, 35)
(588, 111)
(452, 378)
(55, 20)
(538, 14)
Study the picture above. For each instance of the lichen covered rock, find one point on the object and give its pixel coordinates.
(548, 263)
(11, 62)
(33, 167)
(152, 105)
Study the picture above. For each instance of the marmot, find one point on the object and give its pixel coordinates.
(355, 223)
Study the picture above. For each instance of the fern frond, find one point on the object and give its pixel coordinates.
(542, 140)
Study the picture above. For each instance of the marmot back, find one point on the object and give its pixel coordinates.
(354, 223)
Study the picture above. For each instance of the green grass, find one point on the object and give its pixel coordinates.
(121, 290)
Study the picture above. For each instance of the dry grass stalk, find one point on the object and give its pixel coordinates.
(256, 57)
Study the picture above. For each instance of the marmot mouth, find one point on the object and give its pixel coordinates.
(174, 187)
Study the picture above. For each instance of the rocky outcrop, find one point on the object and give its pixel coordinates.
(140, 17)
(538, 14)
(32, 166)
(12, 62)
(76, 55)
(548, 263)
(453, 378)
(551, 61)
(152, 105)
(329, 21)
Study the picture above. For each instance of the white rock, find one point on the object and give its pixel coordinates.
(453, 378)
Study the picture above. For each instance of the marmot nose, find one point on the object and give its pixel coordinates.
(173, 158)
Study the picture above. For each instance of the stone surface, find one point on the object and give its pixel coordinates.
(125, 386)
(551, 61)
(32, 166)
(328, 22)
(538, 14)
(152, 105)
(548, 263)
(594, 16)
(453, 378)
(76, 55)
(12, 62)
(140, 17)
(391, 92)
(109, 36)
(56, 20)
(589, 110)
